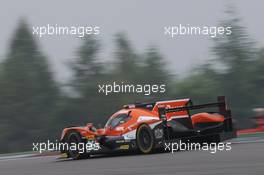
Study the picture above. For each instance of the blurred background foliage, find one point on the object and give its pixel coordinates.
(34, 108)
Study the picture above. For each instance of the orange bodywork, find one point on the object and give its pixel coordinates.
(130, 125)
(173, 104)
(141, 115)
(206, 117)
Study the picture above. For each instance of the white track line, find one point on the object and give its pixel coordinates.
(248, 141)
(16, 157)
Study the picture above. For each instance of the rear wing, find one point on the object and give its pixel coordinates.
(220, 104)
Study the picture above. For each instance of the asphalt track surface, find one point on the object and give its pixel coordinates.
(243, 159)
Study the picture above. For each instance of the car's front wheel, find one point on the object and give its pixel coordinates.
(74, 140)
(145, 139)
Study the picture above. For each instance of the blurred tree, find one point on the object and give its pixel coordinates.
(155, 67)
(257, 79)
(127, 61)
(154, 73)
(201, 85)
(237, 55)
(86, 67)
(28, 92)
(237, 72)
(87, 71)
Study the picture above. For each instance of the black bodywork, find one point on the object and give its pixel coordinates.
(212, 131)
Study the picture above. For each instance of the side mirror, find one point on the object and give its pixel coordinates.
(99, 125)
(110, 127)
(88, 125)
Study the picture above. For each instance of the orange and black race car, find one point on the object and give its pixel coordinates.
(145, 127)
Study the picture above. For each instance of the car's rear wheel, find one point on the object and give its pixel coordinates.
(145, 139)
(74, 152)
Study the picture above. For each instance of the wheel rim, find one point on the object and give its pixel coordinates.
(145, 139)
(73, 153)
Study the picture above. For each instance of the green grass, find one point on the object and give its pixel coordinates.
(260, 134)
(17, 153)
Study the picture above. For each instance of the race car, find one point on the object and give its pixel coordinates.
(146, 127)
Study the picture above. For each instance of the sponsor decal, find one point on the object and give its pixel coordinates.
(130, 135)
(124, 147)
(158, 133)
(147, 118)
